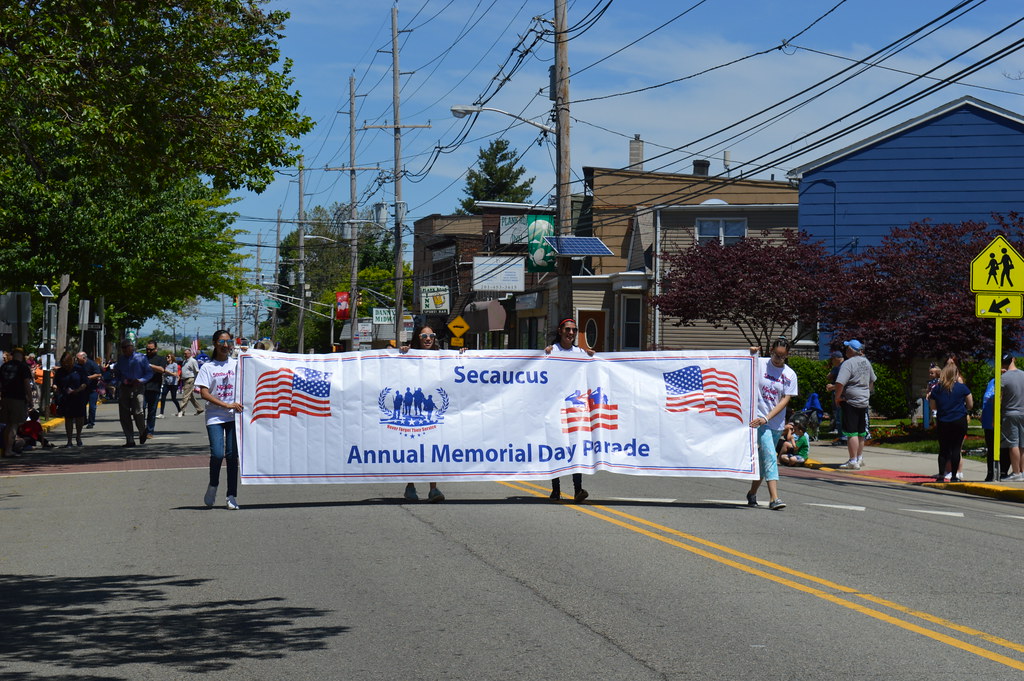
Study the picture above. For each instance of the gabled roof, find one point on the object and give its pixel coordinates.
(963, 102)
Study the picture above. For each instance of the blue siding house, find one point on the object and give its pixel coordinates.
(961, 161)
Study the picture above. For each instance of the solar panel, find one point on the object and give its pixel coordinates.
(577, 245)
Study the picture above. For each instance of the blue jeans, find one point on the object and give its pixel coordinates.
(150, 398)
(93, 398)
(223, 445)
(766, 439)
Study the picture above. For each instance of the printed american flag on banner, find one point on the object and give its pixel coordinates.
(195, 345)
(589, 411)
(284, 392)
(703, 390)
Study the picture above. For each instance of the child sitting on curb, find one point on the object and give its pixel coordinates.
(794, 444)
(30, 433)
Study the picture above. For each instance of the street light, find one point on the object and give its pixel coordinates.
(564, 213)
(463, 110)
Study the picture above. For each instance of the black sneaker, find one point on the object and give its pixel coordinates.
(777, 505)
(580, 495)
(751, 500)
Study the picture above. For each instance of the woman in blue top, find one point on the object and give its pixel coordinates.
(951, 401)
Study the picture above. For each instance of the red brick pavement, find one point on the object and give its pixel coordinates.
(100, 460)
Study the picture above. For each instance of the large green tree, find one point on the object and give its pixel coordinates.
(497, 177)
(122, 127)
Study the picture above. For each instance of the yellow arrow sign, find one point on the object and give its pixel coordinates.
(458, 326)
(999, 268)
(1007, 306)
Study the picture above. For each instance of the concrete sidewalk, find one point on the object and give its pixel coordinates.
(914, 468)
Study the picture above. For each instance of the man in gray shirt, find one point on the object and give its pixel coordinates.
(854, 385)
(1011, 425)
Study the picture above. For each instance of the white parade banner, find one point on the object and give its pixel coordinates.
(494, 415)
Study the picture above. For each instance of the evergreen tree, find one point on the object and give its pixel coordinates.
(496, 178)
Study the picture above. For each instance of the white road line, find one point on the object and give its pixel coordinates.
(731, 502)
(952, 514)
(841, 507)
(642, 499)
(1015, 517)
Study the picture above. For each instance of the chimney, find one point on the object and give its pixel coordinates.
(636, 153)
(701, 167)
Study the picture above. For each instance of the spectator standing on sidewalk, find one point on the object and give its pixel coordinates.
(93, 373)
(71, 385)
(16, 388)
(988, 426)
(951, 401)
(776, 385)
(131, 372)
(854, 385)
(189, 371)
(170, 385)
(1011, 427)
(153, 385)
(216, 382)
(835, 361)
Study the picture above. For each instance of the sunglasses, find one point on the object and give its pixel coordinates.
(225, 341)
(570, 329)
(425, 336)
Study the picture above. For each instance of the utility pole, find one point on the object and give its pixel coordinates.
(302, 257)
(259, 278)
(353, 221)
(399, 205)
(353, 286)
(564, 189)
(277, 273)
(399, 208)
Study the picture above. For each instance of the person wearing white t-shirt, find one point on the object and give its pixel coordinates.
(776, 384)
(563, 342)
(216, 383)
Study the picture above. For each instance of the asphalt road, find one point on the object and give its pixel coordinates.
(112, 568)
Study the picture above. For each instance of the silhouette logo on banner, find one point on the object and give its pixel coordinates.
(284, 392)
(588, 411)
(412, 412)
(709, 391)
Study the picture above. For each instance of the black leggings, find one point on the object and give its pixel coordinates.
(951, 440)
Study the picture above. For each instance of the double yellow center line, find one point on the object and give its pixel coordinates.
(847, 597)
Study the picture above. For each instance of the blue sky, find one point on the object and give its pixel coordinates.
(453, 51)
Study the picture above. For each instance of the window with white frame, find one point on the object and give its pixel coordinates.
(726, 231)
(632, 323)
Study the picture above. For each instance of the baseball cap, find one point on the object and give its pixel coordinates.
(836, 354)
(855, 344)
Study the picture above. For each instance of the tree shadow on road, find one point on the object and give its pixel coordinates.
(107, 621)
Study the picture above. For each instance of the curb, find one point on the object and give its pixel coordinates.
(979, 489)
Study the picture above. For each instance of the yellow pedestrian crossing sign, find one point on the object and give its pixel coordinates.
(1007, 306)
(997, 269)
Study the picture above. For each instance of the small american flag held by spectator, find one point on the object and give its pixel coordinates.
(195, 345)
(284, 392)
(588, 411)
(703, 390)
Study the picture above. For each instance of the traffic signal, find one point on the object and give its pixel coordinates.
(234, 302)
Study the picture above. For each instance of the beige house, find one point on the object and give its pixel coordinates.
(638, 215)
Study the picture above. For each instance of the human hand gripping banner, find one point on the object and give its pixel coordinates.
(494, 415)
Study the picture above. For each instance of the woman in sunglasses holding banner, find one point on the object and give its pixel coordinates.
(423, 338)
(565, 340)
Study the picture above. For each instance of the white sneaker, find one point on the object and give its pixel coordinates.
(850, 465)
(947, 477)
(210, 496)
(159, 416)
(232, 504)
(179, 414)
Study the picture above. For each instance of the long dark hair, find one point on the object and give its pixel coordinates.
(217, 334)
(556, 335)
(417, 344)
